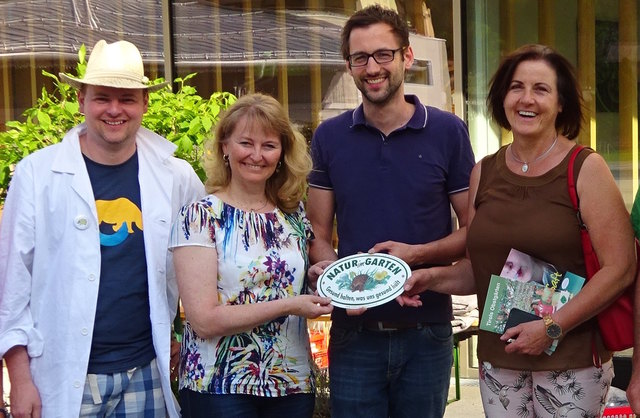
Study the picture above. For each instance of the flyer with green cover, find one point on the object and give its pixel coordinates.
(540, 294)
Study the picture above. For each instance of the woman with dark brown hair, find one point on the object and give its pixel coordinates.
(519, 199)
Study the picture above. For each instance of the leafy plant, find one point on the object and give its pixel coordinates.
(323, 406)
(183, 117)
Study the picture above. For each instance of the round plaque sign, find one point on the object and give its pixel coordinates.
(363, 280)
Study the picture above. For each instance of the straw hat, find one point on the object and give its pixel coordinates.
(116, 65)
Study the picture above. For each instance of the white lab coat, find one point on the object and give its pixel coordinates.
(50, 262)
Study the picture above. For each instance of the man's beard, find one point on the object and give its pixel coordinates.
(380, 99)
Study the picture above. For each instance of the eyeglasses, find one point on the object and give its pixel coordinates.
(381, 56)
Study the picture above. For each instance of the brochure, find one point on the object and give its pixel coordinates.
(530, 285)
(525, 268)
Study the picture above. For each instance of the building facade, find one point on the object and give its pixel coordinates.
(291, 50)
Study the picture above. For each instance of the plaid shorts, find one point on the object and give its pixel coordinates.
(134, 393)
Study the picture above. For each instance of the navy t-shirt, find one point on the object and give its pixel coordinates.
(122, 330)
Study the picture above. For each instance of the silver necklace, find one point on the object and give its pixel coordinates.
(260, 208)
(525, 165)
(248, 208)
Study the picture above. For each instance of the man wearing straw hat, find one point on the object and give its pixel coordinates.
(87, 292)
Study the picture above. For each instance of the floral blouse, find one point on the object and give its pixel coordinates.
(261, 257)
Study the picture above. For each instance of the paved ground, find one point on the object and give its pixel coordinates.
(469, 405)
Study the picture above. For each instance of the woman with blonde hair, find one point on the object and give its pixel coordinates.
(286, 187)
(241, 256)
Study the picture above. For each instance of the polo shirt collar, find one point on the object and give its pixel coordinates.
(417, 121)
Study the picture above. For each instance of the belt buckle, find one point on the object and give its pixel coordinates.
(381, 327)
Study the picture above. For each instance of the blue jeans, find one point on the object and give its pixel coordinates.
(206, 405)
(381, 374)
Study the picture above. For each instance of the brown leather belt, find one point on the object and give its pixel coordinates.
(390, 325)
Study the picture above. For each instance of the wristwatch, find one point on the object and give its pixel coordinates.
(554, 330)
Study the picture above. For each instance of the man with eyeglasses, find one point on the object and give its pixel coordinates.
(390, 170)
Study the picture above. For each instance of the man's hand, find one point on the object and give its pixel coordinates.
(408, 253)
(315, 271)
(24, 396)
(25, 400)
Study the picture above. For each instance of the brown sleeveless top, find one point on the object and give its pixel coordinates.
(533, 215)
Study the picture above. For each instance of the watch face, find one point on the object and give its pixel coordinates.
(554, 331)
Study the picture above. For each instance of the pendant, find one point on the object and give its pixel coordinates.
(525, 167)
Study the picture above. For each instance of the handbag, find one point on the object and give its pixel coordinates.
(616, 321)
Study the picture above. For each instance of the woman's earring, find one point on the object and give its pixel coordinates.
(278, 166)
(225, 157)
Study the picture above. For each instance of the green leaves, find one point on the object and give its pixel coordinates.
(44, 124)
(43, 119)
(183, 117)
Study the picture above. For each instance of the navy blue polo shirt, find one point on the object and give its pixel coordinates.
(393, 187)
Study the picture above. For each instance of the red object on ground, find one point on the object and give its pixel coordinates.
(618, 412)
